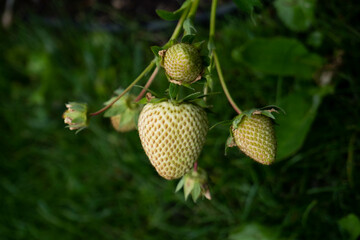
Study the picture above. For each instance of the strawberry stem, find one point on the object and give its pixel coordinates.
(216, 59)
(195, 166)
(146, 70)
(223, 84)
(147, 85)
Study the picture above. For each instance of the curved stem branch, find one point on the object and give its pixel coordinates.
(223, 84)
(147, 85)
(146, 70)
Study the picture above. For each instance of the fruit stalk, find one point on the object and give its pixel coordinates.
(147, 85)
(214, 55)
(146, 70)
(223, 84)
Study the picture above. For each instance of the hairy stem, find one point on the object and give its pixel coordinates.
(146, 70)
(147, 85)
(223, 84)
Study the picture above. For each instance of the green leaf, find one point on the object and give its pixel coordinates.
(188, 39)
(279, 56)
(172, 16)
(230, 142)
(195, 193)
(351, 224)
(200, 102)
(268, 114)
(188, 186)
(155, 50)
(198, 45)
(192, 96)
(297, 15)
(301, 108)
(173, 90)
(180, 184)
(189, 28)
(225, 122)
(209, 81)
(247, 6)
(237, 120)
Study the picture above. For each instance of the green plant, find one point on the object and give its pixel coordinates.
(186, 68)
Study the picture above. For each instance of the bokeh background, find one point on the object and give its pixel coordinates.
(302, 55)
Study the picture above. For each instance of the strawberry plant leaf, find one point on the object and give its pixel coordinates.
(279, 56)
(230, 142)
(268, 114)
(195, 193)
(237, 120)
(188, 186)
(180, 184)
(209, 81)
(175, 15)
(188, 39)
(350, 224)
(189, 28)
(296, 15)
(226, 122)
(173, 91)
(187, 85)
(155, 50)
(198, 45)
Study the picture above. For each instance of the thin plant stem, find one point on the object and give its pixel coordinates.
(178, 28)
(195, 166)
(146, 70)
(216, 59)
(175, 34)
(193, 9)
(212, 19)
(147, 85)
(223, 84)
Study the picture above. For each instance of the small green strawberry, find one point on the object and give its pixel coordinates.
(182, 63)
(254, 134)
(123, 114)
(120, 126)
(76, 116)
(172, 136)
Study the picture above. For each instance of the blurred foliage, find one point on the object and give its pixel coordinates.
(99, 184)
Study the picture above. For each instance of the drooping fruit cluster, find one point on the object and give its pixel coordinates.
(255, 136)
(172, 136)
(182, 63)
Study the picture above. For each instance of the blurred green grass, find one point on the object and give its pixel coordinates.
(98, 184)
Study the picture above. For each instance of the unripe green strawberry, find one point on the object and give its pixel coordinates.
(115, 121)
(255, 136)
(172, 136)
(182, 63)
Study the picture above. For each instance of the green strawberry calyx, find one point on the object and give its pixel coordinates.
(195, 184)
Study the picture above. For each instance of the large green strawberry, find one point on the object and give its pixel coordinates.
(172, 136)
(255, 136)
(182, 63)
